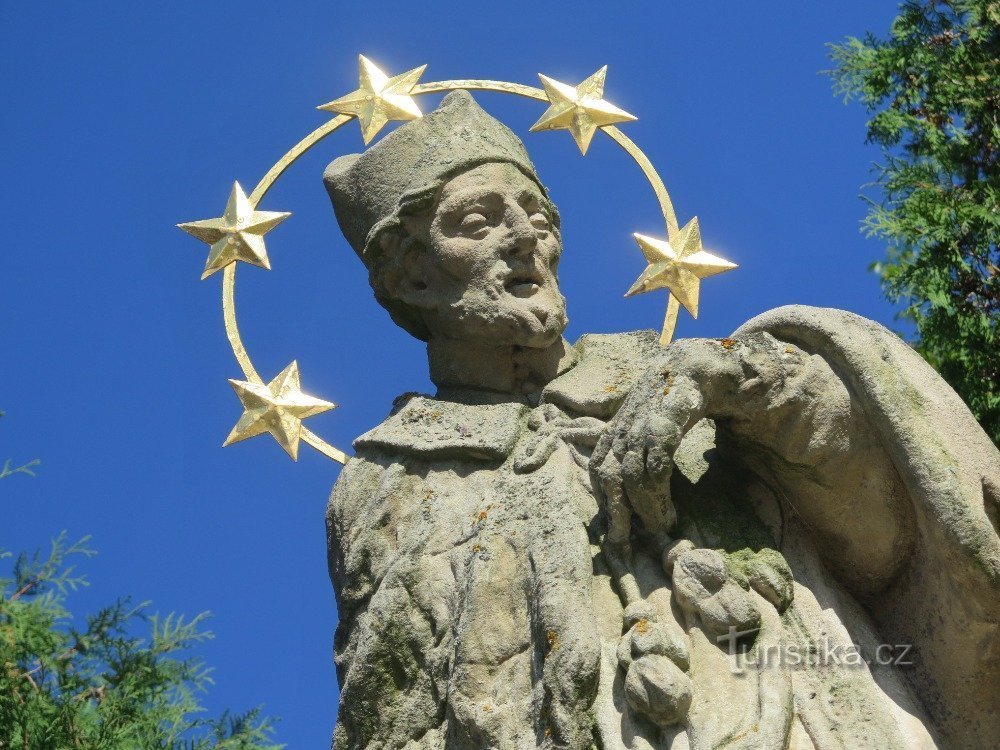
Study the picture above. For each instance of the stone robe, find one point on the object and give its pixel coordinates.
(477, 609)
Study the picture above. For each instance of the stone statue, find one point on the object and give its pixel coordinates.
(783, 539)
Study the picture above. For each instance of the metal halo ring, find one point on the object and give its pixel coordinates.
(293, 154)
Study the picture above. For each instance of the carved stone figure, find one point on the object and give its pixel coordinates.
(784, 539)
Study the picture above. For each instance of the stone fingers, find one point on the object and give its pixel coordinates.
(549, 431)
(535, 454)
(585, 431)
(647, 496)
(646, 468)
(601, 450)
(618, 514)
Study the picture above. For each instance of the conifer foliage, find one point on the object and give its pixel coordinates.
(100, 687)
(933, 90)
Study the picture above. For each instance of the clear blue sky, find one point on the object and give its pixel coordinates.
(122, 119)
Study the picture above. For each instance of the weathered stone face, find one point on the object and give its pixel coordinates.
(383, 197)
(484, 263)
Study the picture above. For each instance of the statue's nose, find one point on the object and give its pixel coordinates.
(523, 238)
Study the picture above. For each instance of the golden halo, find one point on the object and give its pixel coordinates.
(676, 264)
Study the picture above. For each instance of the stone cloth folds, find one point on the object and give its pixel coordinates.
(477, 611)
(947, 602)
(466, 585)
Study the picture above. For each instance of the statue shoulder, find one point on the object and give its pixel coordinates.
(436, 429)
(608, 365)
(421, 426)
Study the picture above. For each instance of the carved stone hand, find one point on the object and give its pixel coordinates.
(550, 426)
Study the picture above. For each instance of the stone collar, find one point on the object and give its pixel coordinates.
(486, 427)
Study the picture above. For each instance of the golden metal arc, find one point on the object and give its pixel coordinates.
(262, 187)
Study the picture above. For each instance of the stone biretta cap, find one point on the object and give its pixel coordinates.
(366, 189)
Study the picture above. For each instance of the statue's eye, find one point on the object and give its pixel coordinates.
(473, 223)
(540, 222)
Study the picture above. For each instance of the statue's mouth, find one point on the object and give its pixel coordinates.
(523, 284)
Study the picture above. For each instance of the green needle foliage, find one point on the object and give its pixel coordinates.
(933, 90)
(100, 687)
(8, 469)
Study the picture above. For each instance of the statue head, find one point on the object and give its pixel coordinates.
(458, 234)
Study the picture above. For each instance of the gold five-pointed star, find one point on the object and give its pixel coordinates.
(278, 407)
(236, 235)
(579, 109)
(678, 265)
(378, 98)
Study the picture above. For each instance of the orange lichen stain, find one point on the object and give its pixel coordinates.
(642, 626)
(481, 515)
(727, 343)
(789, 349)
(666, 391)
(745, 732)
(611, 389)
(553, 639)
(548, 731)
(477, 548)
(486, 708)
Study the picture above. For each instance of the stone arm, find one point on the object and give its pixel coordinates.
(790, 417)
(884, 467)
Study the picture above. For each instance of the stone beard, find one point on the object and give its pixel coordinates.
(613, 545)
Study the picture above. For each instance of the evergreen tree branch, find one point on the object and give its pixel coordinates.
(932, 90)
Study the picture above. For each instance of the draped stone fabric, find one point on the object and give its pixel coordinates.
(478, 609)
